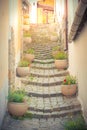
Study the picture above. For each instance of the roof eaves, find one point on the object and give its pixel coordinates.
(77, 19)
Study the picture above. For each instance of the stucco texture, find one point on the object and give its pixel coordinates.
(4, 28)
(78, 66)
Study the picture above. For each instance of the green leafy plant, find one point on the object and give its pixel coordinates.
(69, 80)
(61, 55)
(54, 34)
(27, 115)
(31, 78)
(30, 51)
(75, 124)
(24, 63)
(57, 48)
(16, 96)
(27, 34)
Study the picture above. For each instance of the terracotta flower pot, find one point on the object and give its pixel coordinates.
(29, 57)
(17, 109)
(61, 64)
(22, 71)
(27, 39)
(26, 27)
(68, 90)
(54, 38)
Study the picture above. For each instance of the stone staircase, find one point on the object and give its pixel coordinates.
(41, 41)
(43, 84)
(43, 87)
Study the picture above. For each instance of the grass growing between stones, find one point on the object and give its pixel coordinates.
(28, 115)
(77, 123)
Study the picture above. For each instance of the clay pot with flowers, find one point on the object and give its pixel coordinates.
(29, 55)
(69, 86)
(17, 102)
(23, 68)
(61, 60)
(55, 50)
(27, 37)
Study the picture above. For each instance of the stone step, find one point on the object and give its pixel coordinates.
(43, 57)
(43, 52)
(46, 76)
(42, 81)
(40, 91)
(59, 114)
(52, 72)
(43, 45)
(43, 66)
(40, 46)
(53, 103)
(48, 61)
(45, 35)
(55, 109)
(34, 94)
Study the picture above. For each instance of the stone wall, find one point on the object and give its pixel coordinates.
(15, 42)
(11, 60)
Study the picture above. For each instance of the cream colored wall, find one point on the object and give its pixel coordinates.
(78, 57)
(47, 2)
(40, 16)
(4, 5)
(10, 16)
(15, 20)
(78, 66)
(59, 8)
(72, 6)
(33, 11)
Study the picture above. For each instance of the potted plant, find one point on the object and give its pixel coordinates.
(61, 60)
(26, 16)
(29, 55)
(23, 68)
(17, 105)
(69, 86)
(56, 49)
(27, 37)
(54, 37)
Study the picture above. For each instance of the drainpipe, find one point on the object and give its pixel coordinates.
(54, 10)
(66, 24)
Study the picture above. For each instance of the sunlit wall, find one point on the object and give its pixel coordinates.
(4, 28)
(15, 16)
(59, 4)
(33, 11)
(78, 59)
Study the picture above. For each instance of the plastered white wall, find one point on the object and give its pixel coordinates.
(78, 66)
(4, 13)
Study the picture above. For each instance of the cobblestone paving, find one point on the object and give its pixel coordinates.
(50, 109)
(35, 124)
(43, 86)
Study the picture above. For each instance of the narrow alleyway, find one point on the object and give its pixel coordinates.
(49, 108)
(43, 50)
